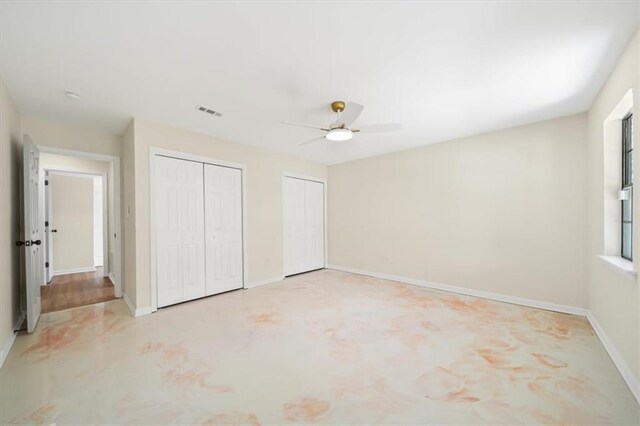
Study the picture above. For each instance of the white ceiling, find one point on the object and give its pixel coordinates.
(442, 69)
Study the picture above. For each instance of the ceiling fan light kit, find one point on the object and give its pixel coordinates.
(339, 135)
(340, 130)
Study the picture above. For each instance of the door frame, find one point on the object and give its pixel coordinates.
(153, 153)
(116, 278)
(105, 211)
(323, 181)
(48, 252)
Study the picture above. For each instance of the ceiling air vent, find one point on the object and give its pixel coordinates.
(209, 111)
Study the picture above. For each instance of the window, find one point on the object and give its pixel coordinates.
(627, 188)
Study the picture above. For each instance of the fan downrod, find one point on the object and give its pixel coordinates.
(337, 106)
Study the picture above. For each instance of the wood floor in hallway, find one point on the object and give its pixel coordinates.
(73, 290)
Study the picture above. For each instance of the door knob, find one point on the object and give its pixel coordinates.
(28, 243)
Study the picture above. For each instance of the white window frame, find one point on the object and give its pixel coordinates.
(612, 154)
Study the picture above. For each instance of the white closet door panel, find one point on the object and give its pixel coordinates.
(294, 225)
(314, 222)
(179, 210)
(192, 208)
(232, 211)
(168, 267)
(223, 223)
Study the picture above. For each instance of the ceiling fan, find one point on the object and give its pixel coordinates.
(340, 130)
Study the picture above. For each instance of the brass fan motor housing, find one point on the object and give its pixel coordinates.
(337, 106)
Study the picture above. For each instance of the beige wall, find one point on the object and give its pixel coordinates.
(129, 216)
(10, 220)
(84, 165)
(72, 211)
(613, 298)
(66, 136)
(501, 212)
(264, 196)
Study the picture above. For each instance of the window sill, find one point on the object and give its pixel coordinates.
(620, 265)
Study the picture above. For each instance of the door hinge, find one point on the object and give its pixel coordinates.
(46, 182)
(46, 264)
(46, 223)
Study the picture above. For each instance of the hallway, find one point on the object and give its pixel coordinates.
(73, 290)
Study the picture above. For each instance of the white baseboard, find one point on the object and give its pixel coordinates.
(626, 373)
(566, 309)
(8, 343)
(73, 271)
(264, 282)
(623, 367)
(135, 312)
(143, 311)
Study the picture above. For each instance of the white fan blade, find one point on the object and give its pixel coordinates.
(310, 126)
(351, 112)
(379, 128)
(312, 140)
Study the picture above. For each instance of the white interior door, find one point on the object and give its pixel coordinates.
(314, 225)
(33, 231)
(180, 248)
(294, 226)
(223, 227)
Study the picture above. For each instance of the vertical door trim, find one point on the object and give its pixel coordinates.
(324, 183)
(48, 212)
(153, 153)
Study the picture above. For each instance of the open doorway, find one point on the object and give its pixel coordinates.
(79, 231)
